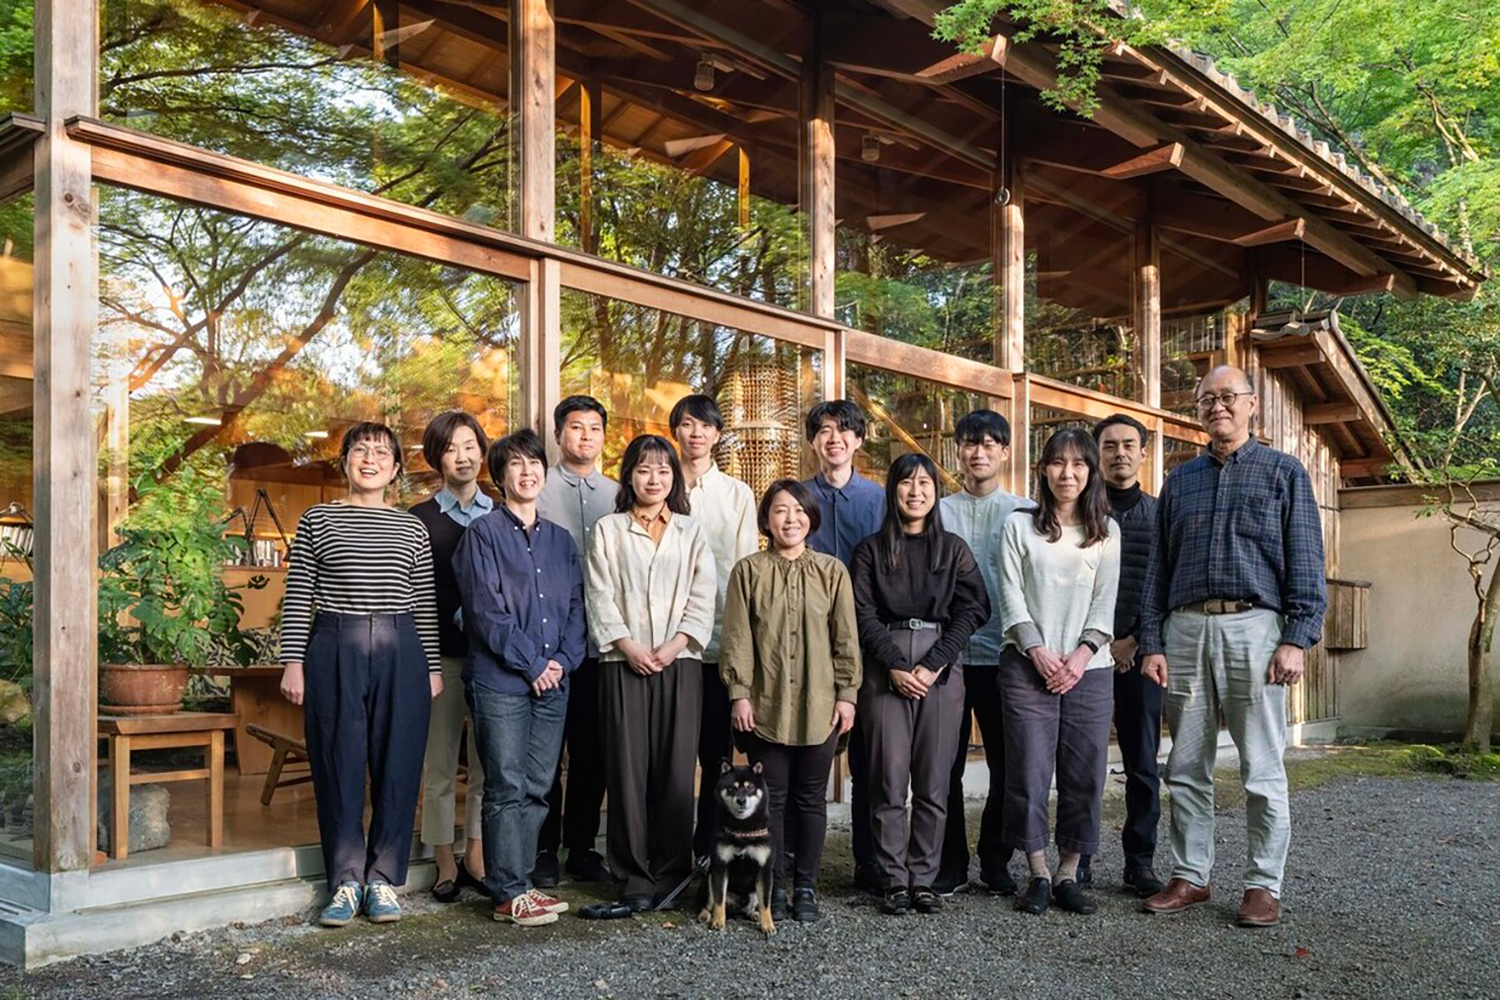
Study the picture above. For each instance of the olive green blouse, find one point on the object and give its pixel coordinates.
(791, 644)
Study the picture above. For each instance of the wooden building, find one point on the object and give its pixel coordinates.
(246, 222)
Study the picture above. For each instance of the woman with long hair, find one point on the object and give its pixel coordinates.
(1060, 568)
(651, 589)
(919, 596)
(359, 648)
(790, 662)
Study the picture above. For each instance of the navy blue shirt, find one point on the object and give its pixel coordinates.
(850, 514)
(1245, 528)
(522, 594)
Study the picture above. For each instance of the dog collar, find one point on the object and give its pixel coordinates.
(748, 834)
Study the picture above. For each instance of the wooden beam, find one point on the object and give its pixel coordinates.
(588, 112)
(890, 355)
(541, 348)
(1364, 468)
(1282, 232)
(816, 183)
(742, 188)
(1332, 413)
(533, 101)
(1292, 355)
(1010, 268)
(65, 297)
(1147, 307)
(699, 161)
(1167, 156)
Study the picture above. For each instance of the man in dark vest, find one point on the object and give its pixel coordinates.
(1138, 701)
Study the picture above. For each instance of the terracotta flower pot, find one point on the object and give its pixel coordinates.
(142, 689)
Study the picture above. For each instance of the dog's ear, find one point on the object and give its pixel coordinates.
(725, 767)
(757, 768)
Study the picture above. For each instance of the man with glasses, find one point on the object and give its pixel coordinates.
(1234, 596)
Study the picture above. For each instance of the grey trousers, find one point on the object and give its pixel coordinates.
(649, 727)
(1045, 734)
(1219, 663)
(440, 768)
(911, 745)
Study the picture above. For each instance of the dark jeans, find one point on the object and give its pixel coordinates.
(573, 819)
(518, 736)
(365, 710)
(861, 831)
(797, 778)
(650, 725)
(1045, 733)
(714, 746)
(982, 703)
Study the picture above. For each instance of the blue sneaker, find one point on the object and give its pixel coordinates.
(343, 906)
(380, 903)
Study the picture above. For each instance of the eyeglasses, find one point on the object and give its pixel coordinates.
(1209, 400)
(379, 452)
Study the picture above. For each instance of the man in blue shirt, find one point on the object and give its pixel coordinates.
(1235, 593)
(852, 508)
(521, 583)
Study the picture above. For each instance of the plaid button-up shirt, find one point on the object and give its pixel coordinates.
(1245, 528)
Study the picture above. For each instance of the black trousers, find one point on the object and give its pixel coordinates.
(365, 707)
(982, 704)
(573, 819)
(714, 746)
(650, 725)
(862, 835)
(1138, 707)
(797, 778)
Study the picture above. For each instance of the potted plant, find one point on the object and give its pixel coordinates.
(163, 605)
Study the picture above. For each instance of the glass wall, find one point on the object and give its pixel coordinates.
(16, 507)
(17, 56)
(1189, 348)
(906, 414)
(639, 361)
(403, 100)
(1075, 342)
(230, 357)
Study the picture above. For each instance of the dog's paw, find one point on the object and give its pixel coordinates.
(716, 921)
(767, 925)
(706, 915)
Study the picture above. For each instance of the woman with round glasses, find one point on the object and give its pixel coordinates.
(359, 648)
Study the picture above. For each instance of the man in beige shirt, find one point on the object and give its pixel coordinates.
(725, 508)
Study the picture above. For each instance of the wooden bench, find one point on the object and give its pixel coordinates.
(127, 734)
(284, 750)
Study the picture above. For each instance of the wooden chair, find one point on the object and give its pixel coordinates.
(284, 750)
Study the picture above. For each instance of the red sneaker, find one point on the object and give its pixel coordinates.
(546, 903)
(521, 910)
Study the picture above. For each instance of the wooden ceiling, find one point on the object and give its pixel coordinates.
(1232, 197)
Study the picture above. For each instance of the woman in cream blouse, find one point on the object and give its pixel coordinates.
(651, 587)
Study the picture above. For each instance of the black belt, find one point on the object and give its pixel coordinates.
(915, 625)
(1215, 606)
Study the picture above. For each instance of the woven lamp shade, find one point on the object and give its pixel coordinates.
(762, 406)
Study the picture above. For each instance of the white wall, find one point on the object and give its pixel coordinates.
(1413, 675)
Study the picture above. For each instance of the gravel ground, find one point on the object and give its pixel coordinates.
(1393, 892)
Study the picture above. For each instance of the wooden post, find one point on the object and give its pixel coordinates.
(1010, 269)
(533, 100)
(742, 199)
(817, 156)
(65, 302)
(541, 348)
(1020, 436)
(586, 95)
(1146, 249)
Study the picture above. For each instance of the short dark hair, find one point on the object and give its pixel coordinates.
(799, 493)
(524, 443)
(1121, 418)
(370, 430)
(635, 451)
(698, 406)
(439, 434)
(973, 427)
(572, 405)
(848, 416)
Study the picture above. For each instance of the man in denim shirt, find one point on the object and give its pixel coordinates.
(1235, 594)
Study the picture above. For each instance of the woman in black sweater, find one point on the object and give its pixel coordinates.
(919, 597)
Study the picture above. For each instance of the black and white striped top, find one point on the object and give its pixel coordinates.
(359, 561)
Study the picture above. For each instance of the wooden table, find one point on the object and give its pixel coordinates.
(127, 734)
(255, 696)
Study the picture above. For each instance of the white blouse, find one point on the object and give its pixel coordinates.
(1060, 588)
(637, 589)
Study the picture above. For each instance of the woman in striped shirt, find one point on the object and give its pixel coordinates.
(360, 652)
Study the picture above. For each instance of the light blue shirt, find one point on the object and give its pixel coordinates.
(980, 521)
(464, 516)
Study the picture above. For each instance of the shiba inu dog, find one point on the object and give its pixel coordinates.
(742, 864)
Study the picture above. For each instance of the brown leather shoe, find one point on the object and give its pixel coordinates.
(1176, 897)
(1259, 909)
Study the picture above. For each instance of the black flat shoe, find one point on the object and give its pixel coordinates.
(805, 906)
(998, 881)
(896, 902)
(778, 904)
(589, 867)
(466, 880)
(620, 909)
(926, 900)
(1071, 897)
(1143, 882)
(446, 891)
(1037, 898)
(947, 883)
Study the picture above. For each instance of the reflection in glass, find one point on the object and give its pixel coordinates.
(16, 533)
(1189, 348)
(906, 414)
(407, 101)
(638, 362)
(1075, 345)
(17, 56)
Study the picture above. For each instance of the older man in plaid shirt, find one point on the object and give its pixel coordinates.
(1234, 596)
